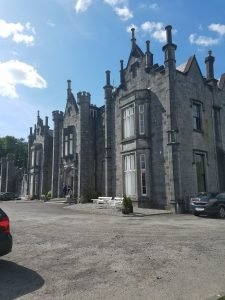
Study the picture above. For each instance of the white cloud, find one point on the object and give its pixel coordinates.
(153, 6)
(159, 35)
(82, 5)
(132, 26)
(219, 28)
(17, 32)
(151, 26)
(23, 38)
(203, 40)
(124, 13)
(156, 29)
(51, 24)
(115, 2)
(16, 72)
(121, 8)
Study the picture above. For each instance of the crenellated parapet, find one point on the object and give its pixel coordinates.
(83, 98)
(57, 115)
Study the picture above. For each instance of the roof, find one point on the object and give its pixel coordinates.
(184, 68)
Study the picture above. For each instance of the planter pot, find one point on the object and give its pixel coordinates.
(127, 210)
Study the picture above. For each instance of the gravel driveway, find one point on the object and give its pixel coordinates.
(77, 253)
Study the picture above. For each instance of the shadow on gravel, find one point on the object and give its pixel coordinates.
(141, 215)
(16, 280)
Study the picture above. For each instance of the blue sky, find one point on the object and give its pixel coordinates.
(45, 42)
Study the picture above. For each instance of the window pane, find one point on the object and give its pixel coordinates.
(143, 183)
(33, 158)
(200, 169)
(142, 161)
(141, 119)
(129, 175)
(71, 143)
(66, 145)
(128, 122)
(196, 112)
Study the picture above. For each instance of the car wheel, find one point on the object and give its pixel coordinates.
(221, 212)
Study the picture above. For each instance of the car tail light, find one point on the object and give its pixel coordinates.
(4, 224)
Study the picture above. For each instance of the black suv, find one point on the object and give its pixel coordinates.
(5, 236)
(7, 196)
(211, 204)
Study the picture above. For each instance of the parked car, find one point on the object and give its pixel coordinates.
(7, 196)
(5, 236)
(211, 204)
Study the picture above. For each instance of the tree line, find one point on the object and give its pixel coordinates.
(17, 147)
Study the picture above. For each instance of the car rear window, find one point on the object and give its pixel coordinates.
(221, 196)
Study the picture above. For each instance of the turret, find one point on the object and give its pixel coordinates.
(108, 87)
(109, 120)
(68, 89)
(133, 39)
(57, 117)
(46, 127)
(209, 61)
(148, 57)
(83, 98)
(38, 117)
(122, 75)
(46, 121)
(169, 49)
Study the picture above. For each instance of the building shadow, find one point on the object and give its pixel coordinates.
(141, 215)
(17, 281)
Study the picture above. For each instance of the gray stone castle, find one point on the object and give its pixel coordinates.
(159, 138)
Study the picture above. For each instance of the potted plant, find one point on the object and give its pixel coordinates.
(127, 206)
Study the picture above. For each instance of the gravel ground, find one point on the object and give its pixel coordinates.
(94, 209)
(80, 252)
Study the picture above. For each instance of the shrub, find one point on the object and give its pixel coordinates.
(92, 195)
(127, 202)
(127, 205)
(49, 195)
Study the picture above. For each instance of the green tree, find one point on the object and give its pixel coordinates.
(17, 147)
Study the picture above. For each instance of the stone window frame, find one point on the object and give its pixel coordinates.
(172, 137)
(204, 154)
(141, 117)
(143, 173)
(132, 134)
(133, 68)
(36, 155)
(132, 171)
(217, 123)
(200, 105)
(68, 141)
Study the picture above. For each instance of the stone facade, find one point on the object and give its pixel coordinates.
(159, 137)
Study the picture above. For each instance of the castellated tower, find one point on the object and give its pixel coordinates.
(109, 121)
(57, 117)
(86, 160)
